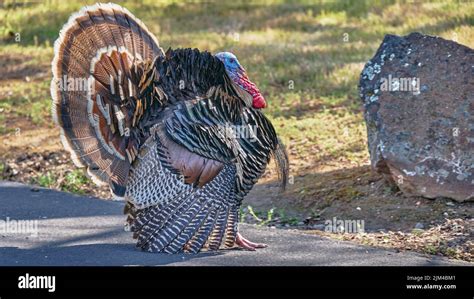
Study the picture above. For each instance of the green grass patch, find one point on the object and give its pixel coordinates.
(74, 180)
(46, 180)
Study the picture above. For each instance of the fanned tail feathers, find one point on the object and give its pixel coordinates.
(95, 75)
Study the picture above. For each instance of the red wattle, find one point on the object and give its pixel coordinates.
(259, 102)
(250, 87)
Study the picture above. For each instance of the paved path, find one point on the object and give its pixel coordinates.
(75, 230)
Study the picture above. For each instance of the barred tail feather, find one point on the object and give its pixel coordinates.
(283, 166)
(231, 228)
(202, 235)
(217, 234)
(187, 232)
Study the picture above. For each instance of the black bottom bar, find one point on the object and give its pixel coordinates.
(344, 282)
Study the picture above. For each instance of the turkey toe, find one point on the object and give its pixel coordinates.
(248, 245)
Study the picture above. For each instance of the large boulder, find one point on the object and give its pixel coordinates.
(418, 94)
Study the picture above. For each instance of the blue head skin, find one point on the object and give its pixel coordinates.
(238, 74)
(231, 63)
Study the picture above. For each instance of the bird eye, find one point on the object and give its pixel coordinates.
(232, 60)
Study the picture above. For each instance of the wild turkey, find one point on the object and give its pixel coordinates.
(160, 129)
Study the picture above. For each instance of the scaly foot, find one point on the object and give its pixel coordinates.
(243, 243)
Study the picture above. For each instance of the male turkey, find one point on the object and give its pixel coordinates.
(178, 135)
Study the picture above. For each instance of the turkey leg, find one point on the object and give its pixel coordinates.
(248, 245)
